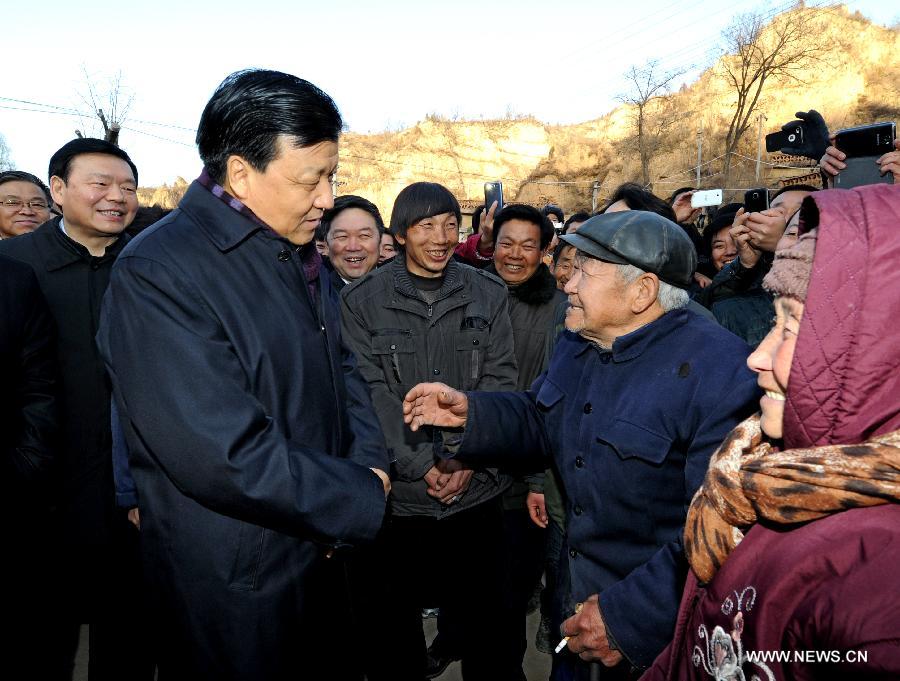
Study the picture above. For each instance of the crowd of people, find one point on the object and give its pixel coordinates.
(262, 435)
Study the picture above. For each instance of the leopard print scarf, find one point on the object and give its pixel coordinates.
(748, 480)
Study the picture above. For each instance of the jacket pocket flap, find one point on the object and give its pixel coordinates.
(548, 395)
(635, 442)
(388, 345)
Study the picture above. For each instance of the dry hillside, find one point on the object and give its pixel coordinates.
(857, 82)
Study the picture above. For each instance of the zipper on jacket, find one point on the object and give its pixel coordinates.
(430, 310)
(474, 367)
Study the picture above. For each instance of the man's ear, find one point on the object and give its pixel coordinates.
(57, 190)
(401, 240)
(645, 291)
(237, 177)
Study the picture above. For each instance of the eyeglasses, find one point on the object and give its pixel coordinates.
(16, 205)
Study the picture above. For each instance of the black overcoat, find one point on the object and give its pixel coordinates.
(251, 435)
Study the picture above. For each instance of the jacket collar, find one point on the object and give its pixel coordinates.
(404, 284)
(539, 289)
(226, 227)
(632, 345)
(59, 251)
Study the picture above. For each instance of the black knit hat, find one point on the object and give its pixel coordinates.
(62, 159)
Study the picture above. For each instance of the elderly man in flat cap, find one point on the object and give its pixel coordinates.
(638, 394)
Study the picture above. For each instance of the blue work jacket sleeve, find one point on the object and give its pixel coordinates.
(501, 427)
(183, 396)
(654, 589)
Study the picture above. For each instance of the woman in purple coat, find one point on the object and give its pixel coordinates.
(794, 537)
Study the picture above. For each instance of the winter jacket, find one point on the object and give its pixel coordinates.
(73, 283)
(631, 431)
(29, 419)
(537, 312)
(250, 431)
(818, 600)
(463, 339)
(738, 301)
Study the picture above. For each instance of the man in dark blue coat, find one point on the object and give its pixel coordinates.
(637, 396)
(253, 443)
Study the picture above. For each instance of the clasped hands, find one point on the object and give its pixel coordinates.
(437, 404)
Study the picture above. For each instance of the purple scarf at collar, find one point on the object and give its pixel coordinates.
(309, 256)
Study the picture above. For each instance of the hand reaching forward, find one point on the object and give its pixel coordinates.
(435, 404)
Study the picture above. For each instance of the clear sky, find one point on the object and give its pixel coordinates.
(387, 64)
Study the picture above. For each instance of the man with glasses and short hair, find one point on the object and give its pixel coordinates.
(24, 203)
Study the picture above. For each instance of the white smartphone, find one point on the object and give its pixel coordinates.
(708, 197)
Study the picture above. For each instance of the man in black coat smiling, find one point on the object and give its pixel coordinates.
(255, 450)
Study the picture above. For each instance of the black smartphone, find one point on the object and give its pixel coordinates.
(866, 140)
(756, 200)
(860, 171)
(493, 191)
(792, 137)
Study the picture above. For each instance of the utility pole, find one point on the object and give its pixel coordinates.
(594, 192)
(760, 118)
(699, 152)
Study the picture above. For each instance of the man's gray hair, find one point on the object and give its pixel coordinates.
(669, 297)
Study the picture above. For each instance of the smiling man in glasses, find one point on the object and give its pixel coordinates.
(24, 203)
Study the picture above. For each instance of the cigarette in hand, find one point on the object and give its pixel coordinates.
(562, 644)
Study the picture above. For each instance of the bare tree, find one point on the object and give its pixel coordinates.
(652, 112)
(110, 105)
(5, 158)
(757, 54)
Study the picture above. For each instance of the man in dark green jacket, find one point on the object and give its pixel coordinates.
(427, 317)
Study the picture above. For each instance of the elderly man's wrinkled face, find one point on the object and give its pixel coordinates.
(772, 362)
(599, 301)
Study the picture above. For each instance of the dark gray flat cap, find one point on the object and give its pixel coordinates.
(636, 237)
